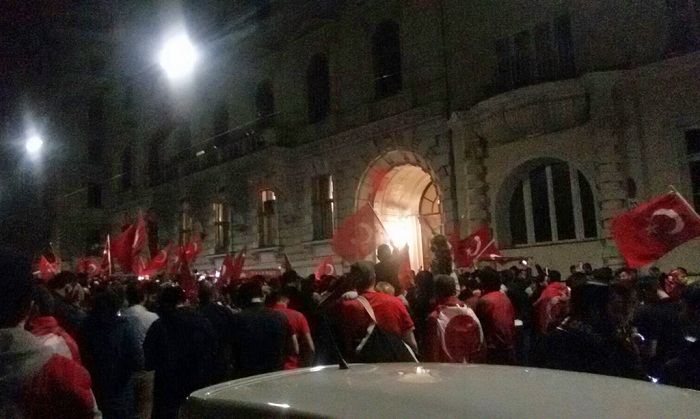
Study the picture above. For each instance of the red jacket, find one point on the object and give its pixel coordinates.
(47, 330)
(37, 383)
(497, 316)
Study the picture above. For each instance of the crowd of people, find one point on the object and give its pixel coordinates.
(124, 348)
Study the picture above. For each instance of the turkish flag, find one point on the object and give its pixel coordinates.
(158, 262)
(325, 268)
(139, 236)
(92, 267)
(48, 269)
(651, 230)
(139, 266)
(359, 236)
(178, 260)
(406, 278)
(193, 249)
(81, 266)
(122, 248)
(232, 269)
(469, 249)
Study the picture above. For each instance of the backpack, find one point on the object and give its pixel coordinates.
(460, 333)
(381, 345)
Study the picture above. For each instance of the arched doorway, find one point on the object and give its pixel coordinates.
(407, 202)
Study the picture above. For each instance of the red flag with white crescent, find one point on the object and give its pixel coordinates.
(122, 248)
(92, 267)
(649, 231)
(158, 262)
(47, 269)
(325, 268)
(472, 247)
(193, 249)
(139, 266)
(359, 235)
(178, 260)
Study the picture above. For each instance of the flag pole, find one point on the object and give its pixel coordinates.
(380, 222)
(109, 256)
(692, 209)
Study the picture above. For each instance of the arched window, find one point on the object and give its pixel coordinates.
(318, 88)
(264, 104)
(552, 202)
(386, 53)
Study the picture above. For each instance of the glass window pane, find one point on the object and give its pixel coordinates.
(563, 202)
(543, 49)
(565, 47)
(695, 182)
(692, 141)
(518, 226)
(540, 205)
(590, 227)
(523, 59)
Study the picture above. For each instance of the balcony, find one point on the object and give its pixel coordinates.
(235, 146)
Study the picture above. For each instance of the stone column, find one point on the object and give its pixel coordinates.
(472, 160)
(608, 129)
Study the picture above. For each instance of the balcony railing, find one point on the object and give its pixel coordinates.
(212, 155)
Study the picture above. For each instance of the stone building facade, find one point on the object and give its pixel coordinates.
(542, 119)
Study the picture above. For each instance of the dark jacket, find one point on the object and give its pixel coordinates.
(180, 347)
(111, 354)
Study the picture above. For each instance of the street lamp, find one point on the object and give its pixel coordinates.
(178, 57)
(34, 144)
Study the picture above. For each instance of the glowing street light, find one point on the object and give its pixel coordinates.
(178, 57)
(34, 144)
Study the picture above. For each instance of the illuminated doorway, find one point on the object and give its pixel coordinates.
(408, 204)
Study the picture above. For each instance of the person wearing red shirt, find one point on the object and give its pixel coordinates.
(453, 331)
(390, 312)
(300, 329)
(497, 316)
(36, 381)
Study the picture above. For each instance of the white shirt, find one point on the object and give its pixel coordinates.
(142, 319)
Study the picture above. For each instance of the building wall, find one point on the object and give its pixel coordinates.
(607, 119)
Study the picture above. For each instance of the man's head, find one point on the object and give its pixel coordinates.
(282, 296)
(554, 276)
(250, 294)
(444, 286)
(15, 297)
(170, 298)
(134, 294)
(206, 292)
(489, 280)
(362, 274)
(383, 252)
(107, 302)
(43, 302)
(680, 276)
(385, 288)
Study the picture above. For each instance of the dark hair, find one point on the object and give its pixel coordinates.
(170, 298)
(554, 276)
(107, 302)
(444, 286)
(15, 277)
(284, 293)
(248, 291)
(589, 301)
(362, 274)
(576, 279)
(489, 279)
(506, 276)
(43, 300)
(205, 292)
(383, 252)
(134, 294)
